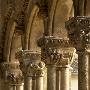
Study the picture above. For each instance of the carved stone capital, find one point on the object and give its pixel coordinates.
(79, 31)
(12, 73)
(66, 59)
(30, 63)
(27, 55)
(51, 48)
(67, 55)
(51, 55)
(36, 69)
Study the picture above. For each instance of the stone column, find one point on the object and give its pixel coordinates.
(58, 77)
(28, 82)
(79, 34)
(32, 68)
(64, 65)
(51, 55)
(83, 60)
(33, 83)
(64, 78)
(19, 87)
(12, 75)
(39, 80)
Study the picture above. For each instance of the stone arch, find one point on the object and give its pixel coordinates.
(30, 21)
(8, 39)
(5, 31)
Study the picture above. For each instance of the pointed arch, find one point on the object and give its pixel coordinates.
(29, 26)
(8, 39)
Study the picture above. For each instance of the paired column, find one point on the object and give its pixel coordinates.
(51, 55)
(12, 75)
(64, 69)
(62, 78)
(79, 34)
(32, 68)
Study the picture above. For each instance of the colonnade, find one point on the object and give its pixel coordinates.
(56, 55)
(54, 58)
(33, 65)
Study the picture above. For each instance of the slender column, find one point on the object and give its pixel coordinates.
(83, 59)
(19, 87)
(13, 75)
(12, 87)
(39, 77)
(27, 83)
(70, 76)
(79, 34)
(51, 77)
(64, 78)
(89, 70)
(65, 62)
(58, 78)
(32, 68)
(39, 83)
(33, 83)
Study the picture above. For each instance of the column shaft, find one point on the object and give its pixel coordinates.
(83, 59)
(28, 83)
(51, 77)
(89, 72)
(10, 87)
(19, 87)
(14, 87)
(64, 78)
(34, 84)
(58, 79)
(39, 83)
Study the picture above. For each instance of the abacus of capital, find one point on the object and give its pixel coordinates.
(53, 58)
(79, 34)
(12, 75)
(32, 68)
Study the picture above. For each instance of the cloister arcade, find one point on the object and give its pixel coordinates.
(39, 41)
